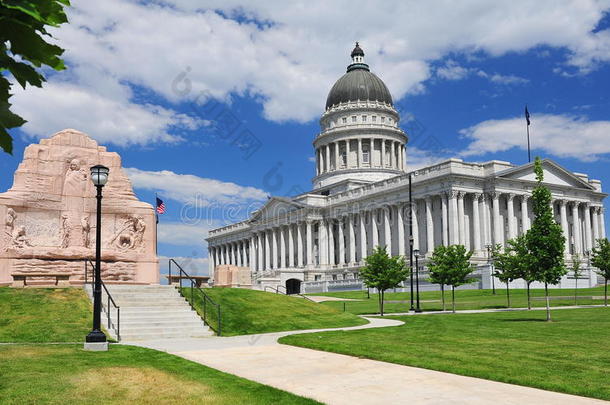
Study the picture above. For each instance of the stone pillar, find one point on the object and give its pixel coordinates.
(327, 157)
(453, 220)
(238, 250)
(595, 225)
(282, 248)
(363, 241)
(274, 249)
(261, 265)
(268, 249)
(290, 246)
(337, 156)
(445, 219)
(374, 234)
(359, 159)
(484, 215)
(461, 219)
(476, 222)
(382, 152)
(429, 226)
(525, 219)
(348, 162)
(400, 229)
(588, 236)
(511, 216)
(233, 256)
(392, 156)
(352, 239)
(309, 243)
(300, 244)
(252, 256)
(323, 242)
(576, 228)
(387, 233)
(340, 242)
(498, 231)
(602, 223)
(331, 242)
(415, 225)
(210, 261)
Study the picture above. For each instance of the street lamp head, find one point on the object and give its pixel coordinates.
(99, 175)
(416, 252)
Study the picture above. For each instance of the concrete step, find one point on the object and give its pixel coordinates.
(177, 316)
(129, 337)
(194, 323)
(167, 330)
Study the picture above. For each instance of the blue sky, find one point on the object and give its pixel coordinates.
(161, 82)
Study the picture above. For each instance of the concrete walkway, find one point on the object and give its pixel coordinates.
(484, 311)
(338, 379)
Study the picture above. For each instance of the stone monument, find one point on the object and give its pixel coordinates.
(49, 217)
(228, 275)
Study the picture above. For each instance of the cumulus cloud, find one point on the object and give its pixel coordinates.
(452, 70)
(184, 234)
(287, 55)
(560, 135)
(194, 266)
(188, 188)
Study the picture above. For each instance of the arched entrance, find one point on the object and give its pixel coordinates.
(293, 286)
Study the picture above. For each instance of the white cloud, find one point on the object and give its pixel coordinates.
(418, 158)
(194, 266)
(184, 234)
(502, 79)
(195, 190)
(559, 135)
(287, 55)
(452, 71)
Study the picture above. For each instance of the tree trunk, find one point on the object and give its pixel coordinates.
(529, 300)
(453, 298)
(548, 306)
(507, 294)
(576, 291)
(606, 292)
(443, 296)
(381, 295)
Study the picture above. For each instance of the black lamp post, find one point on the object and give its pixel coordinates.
(491, 270)
(96, 339)
(411, 238)
(416, 253)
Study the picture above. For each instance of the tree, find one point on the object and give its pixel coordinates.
(24, 51)
(509, 264)
(545, 241)
(450, 265)
(383, 272)
(600, 258)
(578, 272)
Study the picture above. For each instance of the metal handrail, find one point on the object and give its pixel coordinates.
(206, 298)
(277, 291)
(109, 300)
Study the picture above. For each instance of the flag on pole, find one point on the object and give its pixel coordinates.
(160, 206)
(527, 116)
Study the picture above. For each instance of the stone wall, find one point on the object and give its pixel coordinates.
(226, 275)
(50, 215)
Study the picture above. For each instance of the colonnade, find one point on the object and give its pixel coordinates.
(360, 153)
(473, 219)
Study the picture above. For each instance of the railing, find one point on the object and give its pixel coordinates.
(206, 300)
(277, 291)
(109, 300)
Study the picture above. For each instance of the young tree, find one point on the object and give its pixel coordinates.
(601, 259)
(545, 240)
(578, 272)
(383, 272)
(24, 51)
(450, 265)
(508, 264)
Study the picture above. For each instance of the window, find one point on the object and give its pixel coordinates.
(344, 119)
(374, 118)
(353, 118)
(334, 277)
(382, 119)
(364, 118)
(365, 155)
(343, 157)
(317, 277)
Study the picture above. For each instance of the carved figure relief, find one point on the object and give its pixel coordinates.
(65, 231)
(75, 181)
(20, 240)
(9, 222)
(131, 234)
(86, 229)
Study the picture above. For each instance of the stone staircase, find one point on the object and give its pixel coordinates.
(151, 312)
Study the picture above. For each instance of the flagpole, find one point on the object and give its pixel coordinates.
(156, 224)
(529, 152)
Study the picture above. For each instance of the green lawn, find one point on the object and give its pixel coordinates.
(465, 299)
(568, 355)
(249, 311)
(44, 315)
(60, 374)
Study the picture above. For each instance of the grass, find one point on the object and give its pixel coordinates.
(250, 311)
(44, 315)
(60, 374)
(567, 355)
(465, 299)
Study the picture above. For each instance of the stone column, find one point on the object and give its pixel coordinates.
(363, 241)
(387, 233)
(595, 225)
(337, 156)
(238, 250)
(331, 242)
(588, 236)
(382, 152)
(374, 234)
(309, 243)
(348, 162)
(352, 239)
(461, 219)
(252, 256)
(576, 228)
(445, 218)
(400, 230)
(260, 265)
(484, 215)
(300, 244)
(323, 242)
(359, 159)
(602, 223)
(415, 225)
(392, 158)
(210, 260)
(282, 247)
(327, 157)
(496, 219)
(511, 216)
(429, 226)
(290, 246)
(267, 249)
(453, 220)
(233, 256)
(476, 223)
(340, 242)
(274, 249)
(525, 219)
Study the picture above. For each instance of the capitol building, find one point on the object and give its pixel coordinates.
(361, 199)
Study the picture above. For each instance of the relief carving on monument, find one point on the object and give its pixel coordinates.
(50, 214)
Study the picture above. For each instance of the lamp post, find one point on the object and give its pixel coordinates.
(411, 239)
(96, 339)
(416, 253)
(489, 262)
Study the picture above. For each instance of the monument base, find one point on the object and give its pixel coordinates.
(96, 346)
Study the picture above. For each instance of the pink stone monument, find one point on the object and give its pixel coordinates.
(49, 217)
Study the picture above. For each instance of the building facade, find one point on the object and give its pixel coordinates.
(363, 197)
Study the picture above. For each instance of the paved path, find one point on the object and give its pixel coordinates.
(323, 298)
(338, 379)
(484, 311)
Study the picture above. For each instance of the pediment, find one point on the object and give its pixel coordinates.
(276, 207)
(554, 174)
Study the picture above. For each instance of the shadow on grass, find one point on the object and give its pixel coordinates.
(523, 320)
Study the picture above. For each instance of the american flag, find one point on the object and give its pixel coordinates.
(160, 206)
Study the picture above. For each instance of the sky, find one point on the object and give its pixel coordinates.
(214, 105)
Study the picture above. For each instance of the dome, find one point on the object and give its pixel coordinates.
(358, 84)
